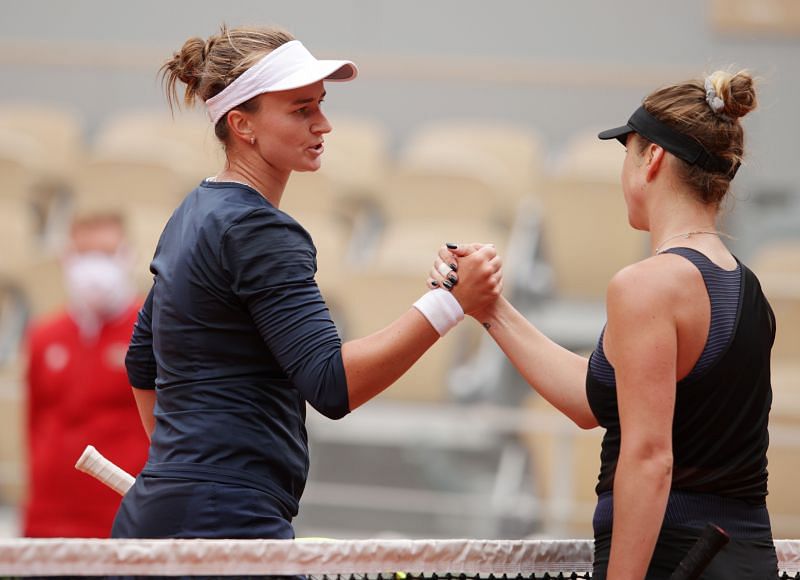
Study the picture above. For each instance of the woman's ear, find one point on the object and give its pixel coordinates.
(239, 125)
(654, 157)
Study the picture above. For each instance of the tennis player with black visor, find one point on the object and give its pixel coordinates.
(680, 377)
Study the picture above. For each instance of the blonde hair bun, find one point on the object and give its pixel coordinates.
(737, 92)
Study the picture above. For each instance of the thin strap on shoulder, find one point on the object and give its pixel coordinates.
(724, 291)
(695, 257)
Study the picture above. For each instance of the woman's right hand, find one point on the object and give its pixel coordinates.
(472, 272)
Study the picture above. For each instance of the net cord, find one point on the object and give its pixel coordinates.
(48, 557)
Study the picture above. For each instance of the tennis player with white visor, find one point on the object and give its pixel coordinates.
(234, 338)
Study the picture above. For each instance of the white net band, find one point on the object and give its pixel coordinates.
(238, 557)
(90, 557)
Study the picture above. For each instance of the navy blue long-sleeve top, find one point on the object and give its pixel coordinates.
(235, 338)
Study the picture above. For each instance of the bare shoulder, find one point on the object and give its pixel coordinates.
(659, 281)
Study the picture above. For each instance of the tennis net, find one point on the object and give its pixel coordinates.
(335, 559)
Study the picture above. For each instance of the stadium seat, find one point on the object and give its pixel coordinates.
(129, 182)
(586, 237)
(18, 235)
(12, 417)
(586, 157)
(20, 165)
(507, 157)
(356, 155)
(777, 265)
(56, 131)
(414, 193)
(371, 300)
(566, 462)
(14, 316)
(42, 281)
(310, 192)
(186, 139)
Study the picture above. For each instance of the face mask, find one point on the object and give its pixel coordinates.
(98, 287)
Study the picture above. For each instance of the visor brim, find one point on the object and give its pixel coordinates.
(328, 70)
(618, 133)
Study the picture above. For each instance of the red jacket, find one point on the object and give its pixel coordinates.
(78, 394)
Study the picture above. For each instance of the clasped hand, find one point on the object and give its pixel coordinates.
(472, 272)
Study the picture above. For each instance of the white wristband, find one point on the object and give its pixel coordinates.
(441, 309)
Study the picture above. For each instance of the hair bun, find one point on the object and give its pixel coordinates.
(737, 92)
(190, 60)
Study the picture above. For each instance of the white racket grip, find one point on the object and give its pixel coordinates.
(92, 462)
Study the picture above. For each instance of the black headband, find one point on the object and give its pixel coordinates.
(680, 145)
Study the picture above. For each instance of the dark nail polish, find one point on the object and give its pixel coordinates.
(447, 284)
(451, 246)
(452, 278)
(435, 283)
(453, 267)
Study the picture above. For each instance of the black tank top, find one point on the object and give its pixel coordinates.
(719, 433)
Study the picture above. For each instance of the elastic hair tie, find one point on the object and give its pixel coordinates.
(714, 100)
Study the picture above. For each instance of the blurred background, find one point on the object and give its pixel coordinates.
(470, 121)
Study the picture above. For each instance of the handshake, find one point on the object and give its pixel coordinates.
(472, 273)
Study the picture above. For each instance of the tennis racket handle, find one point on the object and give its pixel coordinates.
(92, 462)
(711, 541)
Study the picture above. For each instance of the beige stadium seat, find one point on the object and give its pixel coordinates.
(356, 155)
(310, 192)
(42, 281)
(370, 301)
(12, 417)
(784, 451)
(331, 236)
(509, 157)
(314, 195)
(128, 183)
(410, 194)
(587, 157)
(777, 265)
(18, 235)
(26, 175)
(21, 166)
(422, 210)
(586, 237)
(57, 131)
(566, 462)
(143, 226)
(187, 140)
(784, 297)
(583, 239)
(14, 317)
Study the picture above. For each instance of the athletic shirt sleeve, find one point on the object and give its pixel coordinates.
(140, 362)
(271, 262)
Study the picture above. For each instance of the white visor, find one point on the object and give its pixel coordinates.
(289, 66)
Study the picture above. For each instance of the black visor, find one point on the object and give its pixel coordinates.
(680, 145)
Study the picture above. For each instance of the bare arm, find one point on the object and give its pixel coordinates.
(641, 344)
(146, 402)
(556, 373)
(374, 362)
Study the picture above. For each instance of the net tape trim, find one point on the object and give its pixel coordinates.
(58, 556)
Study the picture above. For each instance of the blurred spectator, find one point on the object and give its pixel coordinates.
(78, 391)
